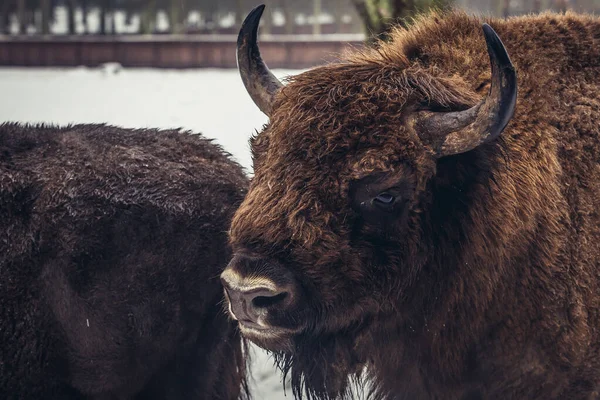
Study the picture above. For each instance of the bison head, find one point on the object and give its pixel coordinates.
(349, 199)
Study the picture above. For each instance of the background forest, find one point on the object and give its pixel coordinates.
(108, 17)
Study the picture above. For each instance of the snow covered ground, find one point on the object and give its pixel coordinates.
(213, 102)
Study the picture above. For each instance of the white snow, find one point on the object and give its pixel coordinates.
(213, 102)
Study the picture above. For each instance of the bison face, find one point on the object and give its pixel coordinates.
(319, 238)
(328, 242)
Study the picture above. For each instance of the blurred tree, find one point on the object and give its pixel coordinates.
(106, 18)
(376, 16)
(209, 9)
(45, 11)
(288, 16)
(267, 20)
(174, 13)
(102, 8)
(380, 15)
(239, 12)
(70, 5)
(316, 13)
(178, 12)
(148, 17)
(5, 8)
(505, 8)
(85, 10)
(21, 16)
(561, 5)
(338, 12)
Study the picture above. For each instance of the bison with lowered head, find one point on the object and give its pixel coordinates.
(404, 222)
(111, 245)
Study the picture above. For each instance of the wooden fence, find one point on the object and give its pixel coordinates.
(169, 51)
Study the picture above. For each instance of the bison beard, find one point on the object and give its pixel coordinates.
(320, 368)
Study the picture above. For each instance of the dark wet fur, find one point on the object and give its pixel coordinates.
(111, 245)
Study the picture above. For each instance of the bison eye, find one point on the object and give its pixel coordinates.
(381, 198)
(384, 199)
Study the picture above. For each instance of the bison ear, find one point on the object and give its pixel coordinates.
(260, 83)
(458, 132)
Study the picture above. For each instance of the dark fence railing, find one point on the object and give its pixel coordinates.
(169, 51)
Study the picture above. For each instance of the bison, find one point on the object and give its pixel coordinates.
(111, 245)
(413, 219)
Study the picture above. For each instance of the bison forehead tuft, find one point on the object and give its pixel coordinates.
(321, 136)
(331, 125)
(330, 114)
(287, 209)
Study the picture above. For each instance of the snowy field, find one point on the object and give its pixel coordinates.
(213, 102)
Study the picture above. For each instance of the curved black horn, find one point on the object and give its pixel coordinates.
(461, 131)
(260, 83)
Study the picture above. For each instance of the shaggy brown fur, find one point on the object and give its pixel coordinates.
(111, 243)
(482, 282)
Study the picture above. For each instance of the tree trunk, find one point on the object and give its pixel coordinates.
(288, 15)
(148, 18)
(505, 8)
(402, 9)
(212, 19)
(107, 23)
(110, 14)
(267, 21)
(561, 5)
(239, 12)
(338, 12)
(84, 16)
(45, 14)
(70, 17)
(103, 17)
(316, 14)
(4, 17)
(372, 23)
(379, 16)
(175, 20)
(21, 16)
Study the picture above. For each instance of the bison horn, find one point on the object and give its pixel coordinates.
(260, 83)
(461, 131)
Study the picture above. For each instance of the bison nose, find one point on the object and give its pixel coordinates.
(253, 298)
(251, 304)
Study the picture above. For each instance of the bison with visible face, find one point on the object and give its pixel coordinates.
(400, 222)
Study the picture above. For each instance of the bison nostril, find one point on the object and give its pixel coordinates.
(268, 301)
(257, 300)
